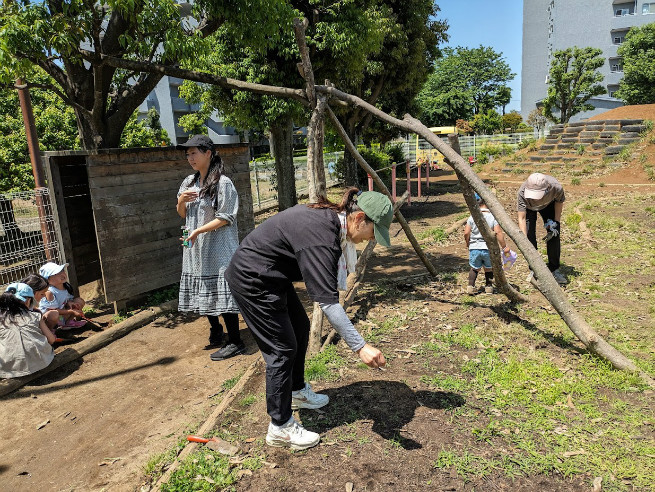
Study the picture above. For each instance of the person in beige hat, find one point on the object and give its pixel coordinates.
(544, 194)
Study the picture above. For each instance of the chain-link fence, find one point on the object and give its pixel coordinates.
(263, 179)
(27, 237)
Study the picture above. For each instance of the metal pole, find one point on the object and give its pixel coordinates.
(42, 197)
(393, 183)
(257, 184)
(409, 184)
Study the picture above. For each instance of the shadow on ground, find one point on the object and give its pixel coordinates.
(389, 404)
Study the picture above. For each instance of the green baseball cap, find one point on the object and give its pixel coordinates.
(379, 209)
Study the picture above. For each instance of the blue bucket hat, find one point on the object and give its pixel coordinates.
(20, 291)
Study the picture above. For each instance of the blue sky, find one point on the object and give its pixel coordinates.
(495, 24)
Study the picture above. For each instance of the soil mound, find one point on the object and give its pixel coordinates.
(637, 111)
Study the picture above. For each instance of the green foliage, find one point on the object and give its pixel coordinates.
(466, 81)
(573, 80)
(531, 143)
(55, 127)
(147, 132)
(61, 37)
(511, 120)
(638, 52)
(377, 159)
(487, 123)
(321, 367)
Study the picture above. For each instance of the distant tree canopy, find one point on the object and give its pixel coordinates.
(638, 52)
(68, 39)
(573, 79)
(465, 82)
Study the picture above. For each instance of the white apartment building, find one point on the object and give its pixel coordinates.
(552, 25)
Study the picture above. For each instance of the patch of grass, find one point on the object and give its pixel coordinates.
(163, 295)
(466, 336)
(580, 149)
(466, 465)
(323, 366)
(247, 400)
(88, 310)
(380, 329)
(601, 185)
(434, 234)
(121, 316)
(228, 384)
(575, 181)
(207, 470)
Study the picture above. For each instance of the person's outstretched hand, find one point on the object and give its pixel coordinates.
(371, 356)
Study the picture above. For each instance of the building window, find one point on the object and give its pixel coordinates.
(648, 8)
(611, 90)
(619, 39)
(616, 67)
(624, 9)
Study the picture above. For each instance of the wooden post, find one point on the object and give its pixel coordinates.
(409, 184)
(418, 179)
(393, 183)
(259, 204)
(370, 182)
(427, 176)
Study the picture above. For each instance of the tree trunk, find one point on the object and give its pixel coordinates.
(349, 163)
(281, 140)
(315, 164)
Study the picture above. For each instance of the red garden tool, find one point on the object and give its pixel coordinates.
(199, 439)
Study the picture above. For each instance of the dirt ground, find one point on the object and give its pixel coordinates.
(109, 412)
(95, 423)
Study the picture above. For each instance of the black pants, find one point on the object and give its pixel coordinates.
(553, 247)
(231, 324)
(281, 330)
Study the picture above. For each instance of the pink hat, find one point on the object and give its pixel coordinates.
(536, 186)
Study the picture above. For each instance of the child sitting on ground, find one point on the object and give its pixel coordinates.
(478, 252)
(25, 340)
(59, 306)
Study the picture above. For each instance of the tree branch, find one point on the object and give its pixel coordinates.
(206, 78)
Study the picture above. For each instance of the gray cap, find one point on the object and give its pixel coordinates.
(197, 141)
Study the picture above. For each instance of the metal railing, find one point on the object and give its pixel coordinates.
(23, 230)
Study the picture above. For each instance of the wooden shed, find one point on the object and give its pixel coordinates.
(116, 214)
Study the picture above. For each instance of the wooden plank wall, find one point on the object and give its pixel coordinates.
(133, 193)
(71, 201)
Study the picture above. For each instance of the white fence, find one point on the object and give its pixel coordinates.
(22, 249)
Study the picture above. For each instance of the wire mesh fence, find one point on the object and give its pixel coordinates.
(263, 180)
(27, 237)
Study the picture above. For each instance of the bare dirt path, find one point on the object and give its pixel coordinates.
(109, 412)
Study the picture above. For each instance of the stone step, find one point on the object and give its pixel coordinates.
(609, 134)
(613, 149)
(600, 145)
(630, 135)
(589, 133)
(547, 146)
(630, 122)
(570, 159)
(627, 141)
(564, 146)
(570, 139)
(537, 158)
(633, 128)
(573, 130)
(587, 140)
(612, 128)
(590, 127)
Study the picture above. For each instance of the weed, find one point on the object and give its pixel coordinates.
(121, 316)
(228, 384)
(601, 184)
(435, 234)
(163, 295)
(321, 367)
(248, 400)
(88, 310)
(580, 149)
(575, 181)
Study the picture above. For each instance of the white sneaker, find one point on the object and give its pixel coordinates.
(306, 398)
(292, 435)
